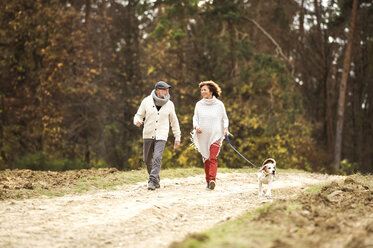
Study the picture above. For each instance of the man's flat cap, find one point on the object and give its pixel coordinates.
(162, 85)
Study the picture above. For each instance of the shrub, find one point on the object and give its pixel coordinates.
(41, 161)
(348, 168)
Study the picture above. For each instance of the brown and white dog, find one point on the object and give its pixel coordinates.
(266, 175)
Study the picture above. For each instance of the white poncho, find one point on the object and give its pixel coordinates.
(210, 116)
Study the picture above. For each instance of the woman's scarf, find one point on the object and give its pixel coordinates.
(160, 101)
(210, 101)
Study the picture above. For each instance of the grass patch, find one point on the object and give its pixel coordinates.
(234, 233)
(21, 184)
(314, 189)
(315, 218)
(292, 207)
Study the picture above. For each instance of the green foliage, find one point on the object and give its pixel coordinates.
(348, 168)
(225, 10)
(189, 157)
(40, 161)
(264, 111)
(161, 29)
(71, 80)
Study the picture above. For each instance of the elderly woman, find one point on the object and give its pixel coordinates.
(210, 122)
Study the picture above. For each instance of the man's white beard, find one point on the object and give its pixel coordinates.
(163, 96)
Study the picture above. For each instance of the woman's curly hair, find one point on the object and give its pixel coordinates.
(213, 87)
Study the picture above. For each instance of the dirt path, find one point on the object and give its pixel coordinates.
(136, 217)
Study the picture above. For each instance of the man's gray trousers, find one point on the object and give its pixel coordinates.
(153, 151)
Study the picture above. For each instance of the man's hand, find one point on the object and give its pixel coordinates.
(176, 144)
(139, 123)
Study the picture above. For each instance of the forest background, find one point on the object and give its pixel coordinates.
(73, 73)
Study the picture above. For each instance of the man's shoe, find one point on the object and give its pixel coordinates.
(157, 185)
(151, 185)
(212, 184)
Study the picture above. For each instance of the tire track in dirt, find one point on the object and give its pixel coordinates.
(135, 217)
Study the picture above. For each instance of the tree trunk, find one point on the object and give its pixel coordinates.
(2, 121)
(87, 11)
(325, 89)
(132, 48)
(342, 91)
(301, 25)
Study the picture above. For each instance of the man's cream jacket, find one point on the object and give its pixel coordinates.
(157, 123)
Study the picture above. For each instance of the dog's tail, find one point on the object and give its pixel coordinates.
(269, 160)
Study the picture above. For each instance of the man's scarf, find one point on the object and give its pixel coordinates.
(160, 101)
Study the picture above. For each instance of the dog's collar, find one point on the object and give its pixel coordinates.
(266, 174)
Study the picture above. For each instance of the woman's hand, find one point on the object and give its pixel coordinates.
(225, 131)
(199, 130)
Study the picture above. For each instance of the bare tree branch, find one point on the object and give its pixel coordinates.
(278, 47)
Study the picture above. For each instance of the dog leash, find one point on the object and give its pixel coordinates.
(226, 136)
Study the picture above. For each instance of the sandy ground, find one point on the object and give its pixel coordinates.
(135, 217)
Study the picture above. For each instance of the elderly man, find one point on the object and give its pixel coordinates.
(157, 112)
